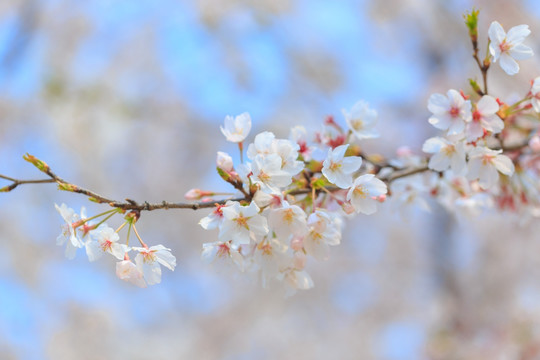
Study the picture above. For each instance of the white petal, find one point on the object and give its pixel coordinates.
(508, 64)
(438, 104)
(496, 33)
(518, 33)
(487, 105)
(521, 52)
(504, 164)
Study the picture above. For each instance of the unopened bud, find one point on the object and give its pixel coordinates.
(224, 161)
(197, 194)
(41, 165)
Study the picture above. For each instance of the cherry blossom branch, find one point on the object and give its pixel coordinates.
(17, 182)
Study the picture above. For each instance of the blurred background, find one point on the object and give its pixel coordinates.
(126, 97)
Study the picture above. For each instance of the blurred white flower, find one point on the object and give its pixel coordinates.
(236, 129)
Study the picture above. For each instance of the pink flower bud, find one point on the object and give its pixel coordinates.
(299, 260)
(381, 198)
(197, 194)
(297, 243)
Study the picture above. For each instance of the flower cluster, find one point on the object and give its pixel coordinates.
(295, 192)
(99, 239)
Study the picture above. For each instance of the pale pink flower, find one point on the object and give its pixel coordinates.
(450, 112)
(287, 220)
(222, 252)
(446, 154)
(484, 117)
(364, 192)
(106, 241)
(485, 165)
(267, 173)
(242, 223)
(69, 233)
(508, 47)
(127, 271)
(361, 120)
(339, 169)
(148, 260)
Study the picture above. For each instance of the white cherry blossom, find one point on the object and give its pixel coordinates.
(126, 270)
(339, 169)
(450, 112)
(287, 220)
(236, 129)
(361, 120)
(508, 47)
(69, 234)
(484, 117)
(148, 261)
(485, 165)
(268, 174)
(106, 241)
(446, 154)
(222, 252)
(242, 223)
(324, 231)
(363, 191)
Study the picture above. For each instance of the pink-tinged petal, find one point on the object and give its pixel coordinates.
(518, 33)
(504, 164)
(508, 64)
(487, 105)
(521, 52)
(438, 104)
(496, 33)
